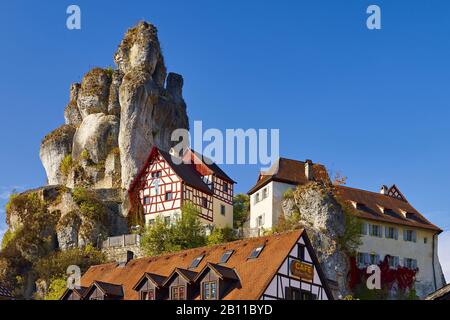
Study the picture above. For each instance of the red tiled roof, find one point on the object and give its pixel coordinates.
(254, 274)
(290, 171)
(394, 208)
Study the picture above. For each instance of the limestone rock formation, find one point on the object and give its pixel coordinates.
(130, 109)
(98, 135)
(94, 92)
(324, 221)
(150, 112)
(54, 148)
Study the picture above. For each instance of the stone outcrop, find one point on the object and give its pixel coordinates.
(130, 109)
(97, 135)
(94, 92)
(54, 148)
(150, 112)
(324, 221)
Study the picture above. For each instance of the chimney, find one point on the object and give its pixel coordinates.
(126, 258)
(309, 170)
(384, 189)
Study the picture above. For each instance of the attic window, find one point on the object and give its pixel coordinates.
(256, 252)
(196, 262)
(226, 256)
(156, 174)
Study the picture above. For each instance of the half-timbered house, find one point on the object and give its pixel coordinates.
(278, 267)
(166, 183)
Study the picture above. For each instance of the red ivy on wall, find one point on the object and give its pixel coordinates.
(404, 277)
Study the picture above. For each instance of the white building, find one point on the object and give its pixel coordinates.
(392, 227)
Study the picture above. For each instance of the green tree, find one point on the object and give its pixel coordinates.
(185, 233)
(219, 236)
(241, 209)
(56, 289)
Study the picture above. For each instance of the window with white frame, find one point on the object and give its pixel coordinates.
(375, 230)
(410, 263)
(391, 233)
(410, 235)
(259, 221)
(256, 198)
(393, 262)
(265, 193)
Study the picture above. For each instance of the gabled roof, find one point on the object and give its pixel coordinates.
(221, 271)
(187, 275)
(212, 166)
(106, 288)
(187, 173)
(5, 293)
(156, 279)
(439, 294)
(254, 274)
(290, 171)
(396, 210)
(80, 292)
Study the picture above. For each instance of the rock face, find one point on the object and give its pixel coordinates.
(149, 111)
(54, 148)
(98, 135)
(130, 109)
(324, 221)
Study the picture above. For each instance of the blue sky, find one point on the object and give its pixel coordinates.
(371, 104)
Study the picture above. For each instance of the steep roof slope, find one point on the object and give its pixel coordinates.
(254, 274)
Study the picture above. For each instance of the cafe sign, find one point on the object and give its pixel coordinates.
(302, 270)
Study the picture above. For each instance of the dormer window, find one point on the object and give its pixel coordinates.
(256, 252)
(209, 290)
(178, 293)
(148, 295)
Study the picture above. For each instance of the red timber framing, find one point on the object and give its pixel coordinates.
(163, 186)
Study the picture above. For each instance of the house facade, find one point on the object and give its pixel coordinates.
(166, 183)
(391, 227)
(277, 267)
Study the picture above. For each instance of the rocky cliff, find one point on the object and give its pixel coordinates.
(116, 116)
(112, 120)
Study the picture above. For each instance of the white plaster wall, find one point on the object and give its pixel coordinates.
(418, 250)
(270, 207)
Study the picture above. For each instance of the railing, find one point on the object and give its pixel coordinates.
(122, 241)
(249, 232)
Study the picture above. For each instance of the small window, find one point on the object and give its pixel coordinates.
(169, 196)
(256, 252)
(222, 209)
(410, 263)
(292, 293)
(425, 240)
(391, 233)
(375, 230)
(167, 220)
(374, 258)
(265, 193)
(148, 295)
(393, 262)
(257, 198)
(225, 187)
(209, 290)
(151, 222)
(178, 293)
(146, 200)
(196, 262)
(409, 235)
(259, 221)
(156, 174)
(226, 256)
(204, 202)
(301, 252)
